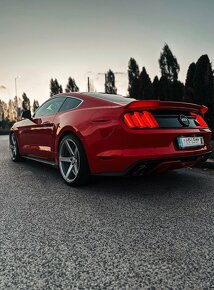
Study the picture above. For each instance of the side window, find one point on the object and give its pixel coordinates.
(50, 107)
(70, 103)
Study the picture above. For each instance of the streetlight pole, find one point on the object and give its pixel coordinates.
(16, 85)
(16, 95)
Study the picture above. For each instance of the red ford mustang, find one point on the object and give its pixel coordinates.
(92, 134)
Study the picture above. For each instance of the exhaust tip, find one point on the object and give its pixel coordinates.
(139, 170)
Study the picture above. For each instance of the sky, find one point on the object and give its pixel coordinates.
(45, 39)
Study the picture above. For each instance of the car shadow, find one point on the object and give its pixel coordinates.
(184, 181)
(167, 183)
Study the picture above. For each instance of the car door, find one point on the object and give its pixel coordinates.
(38, 136)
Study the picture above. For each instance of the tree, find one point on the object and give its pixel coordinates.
(168, 64)
(11, 113)
(164, 89)
(133, 75)
(55, 88)
(190, 75)
(35, 105)
(144, 86)
(203, 85)
(17, 107)
(155, 88)
(3, 110)
(203, 81)
(189, 83)
(52, 87)
(71, 86)
(177, 91)
(110, 87)
(25, 102)
(3, 114)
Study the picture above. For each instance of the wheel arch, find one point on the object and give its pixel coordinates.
(75, 134)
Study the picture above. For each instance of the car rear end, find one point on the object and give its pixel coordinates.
(160, 136)
(126, 136)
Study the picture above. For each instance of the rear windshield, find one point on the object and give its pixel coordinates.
(112, 98)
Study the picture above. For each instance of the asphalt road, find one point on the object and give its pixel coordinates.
(117, 233)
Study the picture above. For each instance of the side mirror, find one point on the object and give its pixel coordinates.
(26, 115)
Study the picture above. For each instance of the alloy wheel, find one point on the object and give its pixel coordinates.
(13, 147)
(69, 160)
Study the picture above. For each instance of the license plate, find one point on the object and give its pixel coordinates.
(189, 142)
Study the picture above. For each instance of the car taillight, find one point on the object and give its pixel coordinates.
(200, 120)
(203, 110)
(140, 120)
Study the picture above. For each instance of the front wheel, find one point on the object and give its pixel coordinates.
(14, 149)
(73, 163)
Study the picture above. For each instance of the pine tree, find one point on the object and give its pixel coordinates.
(35, 105)
(164, 89)
(11, 113)
(189, 83)
(168, 64)
(190, 75)
(110, 87)
(133, 75)
(1, 112)
(155, 88)
(71, 86)
(55, 88)
(203, 85)
(25, 102)
(145, 86)
(177, 91)
(52, 87)
(203, 81)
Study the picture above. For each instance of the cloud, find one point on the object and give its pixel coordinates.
(2, 87)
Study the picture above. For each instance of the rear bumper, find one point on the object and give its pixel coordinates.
(159, 165)
(151, 149)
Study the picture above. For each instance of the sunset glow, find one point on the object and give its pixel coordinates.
(45, 39)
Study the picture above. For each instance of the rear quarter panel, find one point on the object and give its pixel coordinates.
(95, 127)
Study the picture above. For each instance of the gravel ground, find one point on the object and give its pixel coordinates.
(117, 233)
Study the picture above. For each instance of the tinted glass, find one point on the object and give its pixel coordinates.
(50, 107)
(112, 98)
(69, 104)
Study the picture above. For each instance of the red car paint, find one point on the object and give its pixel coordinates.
(110, 145)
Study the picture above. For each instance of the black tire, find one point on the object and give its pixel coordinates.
(73, 162)
(13, 148)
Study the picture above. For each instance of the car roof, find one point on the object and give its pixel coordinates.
(117, 99)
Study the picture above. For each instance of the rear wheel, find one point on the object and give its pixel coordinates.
(73, 162)
(14, 149)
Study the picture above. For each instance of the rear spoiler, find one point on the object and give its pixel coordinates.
(161, 105)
